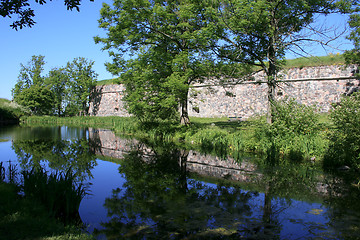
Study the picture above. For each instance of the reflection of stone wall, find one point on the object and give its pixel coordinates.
(246, 100)
(213, 166)
(106, 143)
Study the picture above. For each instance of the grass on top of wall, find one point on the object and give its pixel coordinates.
(107, 82)
(331, 59)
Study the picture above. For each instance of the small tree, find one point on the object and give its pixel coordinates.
(345, 138)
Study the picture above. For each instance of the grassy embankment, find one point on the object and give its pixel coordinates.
(10, 112)
(217, 135)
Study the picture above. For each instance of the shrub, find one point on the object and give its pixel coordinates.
(345, 137)
(294, 132)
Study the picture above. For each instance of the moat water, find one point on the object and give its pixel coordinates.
(139, 191)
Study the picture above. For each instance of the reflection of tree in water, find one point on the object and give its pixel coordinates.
(158, 201)
(343, 207)
(60, 155)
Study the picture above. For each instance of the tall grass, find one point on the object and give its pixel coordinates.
(57, 192)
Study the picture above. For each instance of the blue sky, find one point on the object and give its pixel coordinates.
(62, 35)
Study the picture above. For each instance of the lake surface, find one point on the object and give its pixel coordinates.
(139, 191)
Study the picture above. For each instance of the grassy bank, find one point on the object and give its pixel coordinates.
(10, 111)
(214, 135)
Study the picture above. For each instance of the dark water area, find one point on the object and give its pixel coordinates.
(138, 191)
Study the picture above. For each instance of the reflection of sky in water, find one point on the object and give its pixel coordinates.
(106, 178)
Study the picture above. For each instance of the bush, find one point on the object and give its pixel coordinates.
(294, 132)
(345, 138)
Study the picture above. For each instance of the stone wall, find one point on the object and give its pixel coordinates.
(327, 86)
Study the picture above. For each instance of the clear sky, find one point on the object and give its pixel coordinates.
(62, 35)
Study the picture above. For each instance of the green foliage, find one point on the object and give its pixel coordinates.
(345, 137)
(168, 42)
(10, 111)
(57, 192)
(23, 218)
(295, 133)
(58, 81)
(63, 91)
(353, 56)
(30, 90)
(38, 99)
(82, 79)
(150, 95)
(24, 13)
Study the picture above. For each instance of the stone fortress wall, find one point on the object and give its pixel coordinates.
(318, 86)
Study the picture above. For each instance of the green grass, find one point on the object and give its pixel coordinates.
(107, 82)
(331, 59)
(29, 205)
(218, 136)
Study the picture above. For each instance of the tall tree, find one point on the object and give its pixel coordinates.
(30, 90)
(170, 29)
(58, 80)
(259, 32)
(25, 14)
(82, 80)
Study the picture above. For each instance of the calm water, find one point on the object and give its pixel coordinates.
(139, 191)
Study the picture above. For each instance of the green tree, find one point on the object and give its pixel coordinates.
(353, 56)
(25, 14)
(29, 74)
(260, 32)
(30, 90)
(58, 80)
(172, 36)
(82, 80)
(39, 99)
(147, 74)
(344, 146)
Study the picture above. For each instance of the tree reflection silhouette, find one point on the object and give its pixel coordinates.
(159, 201)
(59, 155)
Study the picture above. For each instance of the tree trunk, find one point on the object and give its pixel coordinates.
(271, 81)
(271, 100)
(184, 115)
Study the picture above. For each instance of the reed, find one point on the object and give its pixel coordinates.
(58, 192)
